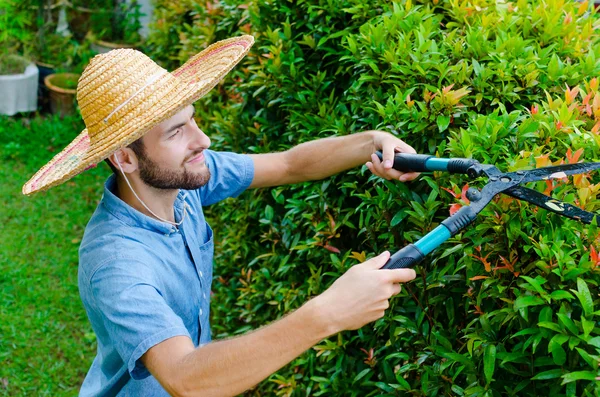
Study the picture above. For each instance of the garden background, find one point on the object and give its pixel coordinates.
(509, 307)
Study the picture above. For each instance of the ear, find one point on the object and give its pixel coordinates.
(127, 159)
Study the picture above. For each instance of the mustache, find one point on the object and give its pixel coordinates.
(194, 154)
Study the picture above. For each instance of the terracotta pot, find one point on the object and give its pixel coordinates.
(63, 90)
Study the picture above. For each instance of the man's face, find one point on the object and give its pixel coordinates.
(173, 155)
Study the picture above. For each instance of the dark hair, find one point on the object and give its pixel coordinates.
(138, 149)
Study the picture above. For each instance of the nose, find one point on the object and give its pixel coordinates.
(200, 139)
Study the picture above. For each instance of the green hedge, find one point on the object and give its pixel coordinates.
(508, 307)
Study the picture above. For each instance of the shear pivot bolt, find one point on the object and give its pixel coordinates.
(473, 194)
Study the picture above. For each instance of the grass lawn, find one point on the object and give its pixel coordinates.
(46, 342)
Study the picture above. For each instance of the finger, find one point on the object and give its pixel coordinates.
(403, 147)
(371, 168)
(393, 174)
(396, 288)
(377, 166)
(378, 261)
(401, 275)
(388, 157)
(409, 176)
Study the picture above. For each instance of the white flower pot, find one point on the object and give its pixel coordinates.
(18, 92)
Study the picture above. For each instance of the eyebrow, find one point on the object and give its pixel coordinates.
(179, 125)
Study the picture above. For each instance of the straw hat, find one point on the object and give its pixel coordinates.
(123, 93)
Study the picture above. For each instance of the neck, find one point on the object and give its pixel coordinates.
(159, 201)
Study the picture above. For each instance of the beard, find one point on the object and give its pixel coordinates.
(152, 174)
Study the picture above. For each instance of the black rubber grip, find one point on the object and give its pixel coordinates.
(406, 257)
(460, 166)
(408, 161)
(460, 220)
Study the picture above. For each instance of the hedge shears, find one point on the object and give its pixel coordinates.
(507, 183)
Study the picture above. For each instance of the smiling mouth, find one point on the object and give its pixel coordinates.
(197, 158)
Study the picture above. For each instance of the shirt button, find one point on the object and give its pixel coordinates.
(204, 295)
(201, 275)
(201, 312)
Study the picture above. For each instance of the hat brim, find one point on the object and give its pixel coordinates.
(193, 79)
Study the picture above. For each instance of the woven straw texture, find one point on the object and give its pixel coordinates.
(123, 93)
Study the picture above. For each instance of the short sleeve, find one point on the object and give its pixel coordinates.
(136, 316)
(230, 175)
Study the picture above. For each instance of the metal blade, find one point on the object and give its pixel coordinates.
(550, 204)
(558, 171)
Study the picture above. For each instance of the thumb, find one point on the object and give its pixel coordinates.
(388, 157)
(378, 261)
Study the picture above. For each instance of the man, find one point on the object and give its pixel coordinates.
(146, 256)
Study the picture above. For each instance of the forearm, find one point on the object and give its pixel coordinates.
(322, 158)
(228, 367)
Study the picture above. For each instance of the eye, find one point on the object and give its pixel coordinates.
(177, 131)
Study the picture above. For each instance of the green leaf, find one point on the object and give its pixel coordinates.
(400, 215)
(525, 301)
(561, 294)
(588, 326)
(458, 358)
(579, 375)
(558, 353)
(588, 358)
(568, 323)
(550, 325)
(489, 362)
(362, 374)
(583, 293)
(526, 331)
(529, 127)
(551, 374)
(559, 339)
(443, 122)
(595, 341)
(536, 283)
(459, 391)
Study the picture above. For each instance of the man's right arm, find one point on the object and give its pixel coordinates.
(231, 366)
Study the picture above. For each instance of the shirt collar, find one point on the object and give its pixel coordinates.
(132, 217)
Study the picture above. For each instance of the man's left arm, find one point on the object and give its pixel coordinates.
(322, 158)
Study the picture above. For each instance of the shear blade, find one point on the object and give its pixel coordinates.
(550, 204)
(558, 171)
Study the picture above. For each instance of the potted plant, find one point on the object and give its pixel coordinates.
(80, 16)
(63, 89)
(18, 75)
(52, 52)
(117, 26)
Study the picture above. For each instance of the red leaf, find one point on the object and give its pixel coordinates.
(478, 278)
(463, 194)
(549, 187)
(534, 109)
(331, 249)
(454, 208)
(456, 195)
(594, 256)
(574, 157)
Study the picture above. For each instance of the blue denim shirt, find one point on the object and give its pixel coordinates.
(143, 281)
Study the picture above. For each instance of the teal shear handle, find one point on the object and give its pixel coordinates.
(407, 162)
(414, 253)
(498, 182)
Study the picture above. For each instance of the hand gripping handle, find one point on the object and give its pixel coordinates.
(409, 162)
